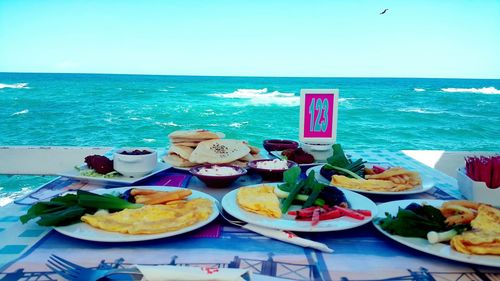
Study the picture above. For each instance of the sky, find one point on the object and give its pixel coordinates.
(421, 38)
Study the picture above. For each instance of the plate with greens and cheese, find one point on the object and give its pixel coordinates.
(369, 178)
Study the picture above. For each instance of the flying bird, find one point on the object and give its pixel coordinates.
(383, 12)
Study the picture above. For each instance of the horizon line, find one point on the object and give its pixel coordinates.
(247, 76)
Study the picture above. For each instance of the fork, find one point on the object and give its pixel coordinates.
(74, 272)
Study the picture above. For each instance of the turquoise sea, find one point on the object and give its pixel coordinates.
(141, 110)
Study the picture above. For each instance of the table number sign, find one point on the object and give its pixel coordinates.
(318, 116)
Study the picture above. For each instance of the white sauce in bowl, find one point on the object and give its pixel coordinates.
(218, 171)
(275, 164)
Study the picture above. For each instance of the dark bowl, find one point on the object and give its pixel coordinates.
(270, 174)
(216, 180)
(279, 145)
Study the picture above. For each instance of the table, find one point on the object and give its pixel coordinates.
(360, 254)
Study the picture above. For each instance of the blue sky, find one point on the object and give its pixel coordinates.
(441, 38)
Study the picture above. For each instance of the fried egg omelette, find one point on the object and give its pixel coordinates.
(152, 219)
(484, 238)
(260, 200)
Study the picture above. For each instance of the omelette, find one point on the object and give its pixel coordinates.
(484, 238)
(260, 200)
(152, 219)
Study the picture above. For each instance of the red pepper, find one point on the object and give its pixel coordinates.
(377, 169)
(330, 215)
(315, 217)
(350, 213)
(366, 213)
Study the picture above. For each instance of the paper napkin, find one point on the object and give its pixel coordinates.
(287, 237)
(185, 273)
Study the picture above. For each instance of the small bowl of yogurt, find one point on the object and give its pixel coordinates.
(271, 169)
(217, 175)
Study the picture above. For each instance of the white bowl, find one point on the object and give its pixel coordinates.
(135, 165)
(320, 152)
(477, 190)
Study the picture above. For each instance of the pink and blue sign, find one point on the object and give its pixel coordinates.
(318, 116)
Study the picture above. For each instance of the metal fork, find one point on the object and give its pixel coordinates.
(74, 272)
(231, 221)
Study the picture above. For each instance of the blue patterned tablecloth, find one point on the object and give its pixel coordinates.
(360, 254)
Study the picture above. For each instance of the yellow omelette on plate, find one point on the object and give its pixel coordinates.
(151, 219)
(260, 200)
(484, 238)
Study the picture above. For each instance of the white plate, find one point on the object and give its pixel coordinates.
(439, 249)
(123, 180)
(287, 222)
(86, 232)
(426, 185)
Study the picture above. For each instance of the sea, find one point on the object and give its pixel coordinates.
(141, 110)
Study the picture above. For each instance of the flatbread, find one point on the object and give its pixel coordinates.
(253, 149)
(219, 151)
(247, 158)
(182, 151)
(195, 135)
(187, 143)
(176, 161)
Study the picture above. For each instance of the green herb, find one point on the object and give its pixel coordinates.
(338, 158)
(69, 208)
(291, 186)
(290, 177)
(300, 197)
(343, 166)
(316, 190)
(107, 201)
(414, 222)
(435, 237)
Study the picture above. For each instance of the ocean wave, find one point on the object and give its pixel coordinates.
(20, 112)
(14, 86)
(426, 111)
(418, 90)
(420, 110)
(484, 90)
(167, 124)
(149, 140)
(237, 124)
(262, 97)
(162, 90)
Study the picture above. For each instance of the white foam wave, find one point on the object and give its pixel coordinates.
(418, 90)
(262, 97)
(20, 112)
(149, 140)
(14, 86)
(162, 90)
(167, 124)
(484, 90)
(237, 125)
(419, 110)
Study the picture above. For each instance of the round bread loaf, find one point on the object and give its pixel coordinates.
(219, 151)
(182, 151)
(195, 135)
(176, 161)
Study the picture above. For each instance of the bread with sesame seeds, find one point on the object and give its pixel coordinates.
(219, 151)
